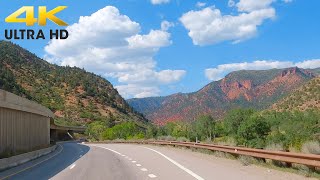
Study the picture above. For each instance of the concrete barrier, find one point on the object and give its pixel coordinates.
(23, 158)
(24, 125)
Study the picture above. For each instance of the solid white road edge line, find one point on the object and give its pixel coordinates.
(177, 164)
(108, 149)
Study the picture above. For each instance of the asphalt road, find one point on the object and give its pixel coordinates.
(136, 162)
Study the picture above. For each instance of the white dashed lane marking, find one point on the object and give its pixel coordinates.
(144, 169)
(130, 159)
(72, 166)
(152, 176)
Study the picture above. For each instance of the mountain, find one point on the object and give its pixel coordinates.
(305, 98)
(316, 71)
(240, 89)
(75, 96)
(146, 105)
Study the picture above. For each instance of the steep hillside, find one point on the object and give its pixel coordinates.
(245, 89)
(146, 105)
(74, 95)
(316, 71)
(305, 98)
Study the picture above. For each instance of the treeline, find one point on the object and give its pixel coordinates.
(240, 127)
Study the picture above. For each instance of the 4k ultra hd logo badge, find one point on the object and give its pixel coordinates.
(31, 20)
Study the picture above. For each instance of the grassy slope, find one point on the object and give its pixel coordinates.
(305, 98)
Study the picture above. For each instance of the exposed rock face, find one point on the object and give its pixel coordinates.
(246, 89)
(236, 89)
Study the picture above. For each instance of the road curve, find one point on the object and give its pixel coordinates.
(128, 161)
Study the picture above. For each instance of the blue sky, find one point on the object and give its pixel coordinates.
(126, 44)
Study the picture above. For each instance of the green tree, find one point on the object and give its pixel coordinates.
(253, 131)
(204, 127)
(95, 130)
(234, 119)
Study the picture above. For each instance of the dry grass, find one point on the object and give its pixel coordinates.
(275, 147)
(311, 147)
(183, 139)
(167, 138)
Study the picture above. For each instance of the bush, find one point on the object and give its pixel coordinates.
(126, 130)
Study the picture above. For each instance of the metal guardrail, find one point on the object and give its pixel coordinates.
(289, 157)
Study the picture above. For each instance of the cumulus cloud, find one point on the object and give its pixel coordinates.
(253, 5)
(140, 92)
(166, 25)
(109, 43)
(287, 1)
(220, 71)
(155, 39)
(156, 2)
(209, 26)
(231, 3)
(201, 4)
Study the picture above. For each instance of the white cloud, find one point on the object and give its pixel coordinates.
(220, 71)
(109, 43)
(253, 5)
(231, 3)
(309, 64)
(201, 4)
(155, 39)
(156, 2)
(208, 26)
(166, 25)
(139, 92)
(287, 1)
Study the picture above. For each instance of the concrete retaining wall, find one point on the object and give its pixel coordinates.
(24, 125)
(22, 158)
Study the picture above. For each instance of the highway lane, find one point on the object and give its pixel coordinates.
(127, 161)
(176, 164)
(49, 165)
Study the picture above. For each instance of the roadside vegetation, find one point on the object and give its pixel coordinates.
(286, 131)
(271, 130)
